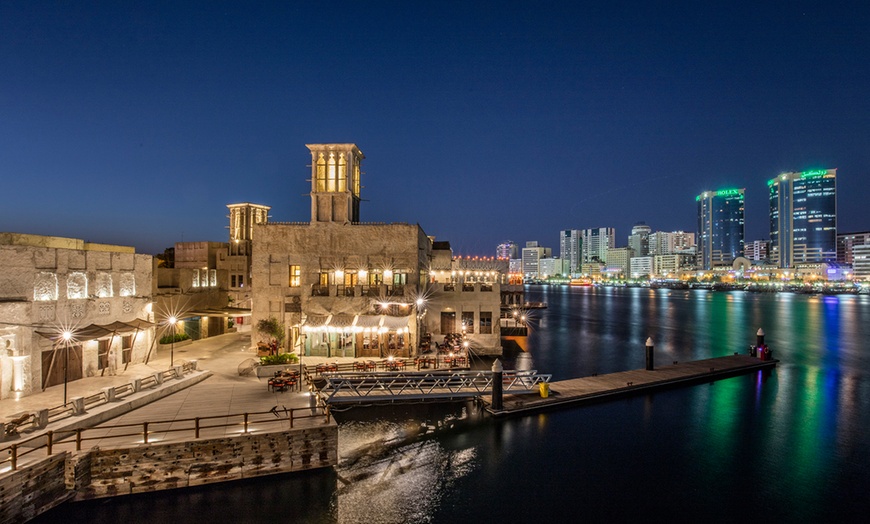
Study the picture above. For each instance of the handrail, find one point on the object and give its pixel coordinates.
(68, 409)
(193, 426)
(426, 384)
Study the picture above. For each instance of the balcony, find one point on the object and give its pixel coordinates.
(319, 291)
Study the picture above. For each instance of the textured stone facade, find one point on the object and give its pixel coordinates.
(51, 283)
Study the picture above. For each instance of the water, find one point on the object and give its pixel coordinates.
(793, 445)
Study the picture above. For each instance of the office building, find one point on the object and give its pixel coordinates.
(571, 249)
(618, 261)
(757, 250)
(507, 250)
(846, 242)
(532, 254)
(720, 227)
(668, 243)
(861, 262)
(803, 217)
(638, 240)
(596, 242)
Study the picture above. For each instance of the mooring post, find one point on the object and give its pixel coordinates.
(759, 337)
(497, 393)
(649, 354)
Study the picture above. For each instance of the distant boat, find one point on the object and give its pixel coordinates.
(581, 281)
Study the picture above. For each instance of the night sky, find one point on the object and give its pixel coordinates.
(136, 123)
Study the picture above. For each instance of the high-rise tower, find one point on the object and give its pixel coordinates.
(720, 227)
(803, 217)
(571, 249)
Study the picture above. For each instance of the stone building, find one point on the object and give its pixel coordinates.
(100, 294)
(342, 287)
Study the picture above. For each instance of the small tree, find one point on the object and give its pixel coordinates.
(271, 328)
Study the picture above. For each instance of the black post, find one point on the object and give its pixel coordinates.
(649, 354)
(759, 337)
(497, 393)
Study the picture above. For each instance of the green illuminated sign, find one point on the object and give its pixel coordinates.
(728, 192)
(698, 198)
(815, 172)
(771, 182)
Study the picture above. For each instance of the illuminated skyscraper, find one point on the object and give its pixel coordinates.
(596, 242)
(507, 250)
(720, 227)
(638, 240)
(571, 249)
(803, 217)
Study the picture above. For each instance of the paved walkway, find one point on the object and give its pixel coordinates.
(222, 392)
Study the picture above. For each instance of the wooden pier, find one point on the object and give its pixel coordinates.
(579, 391)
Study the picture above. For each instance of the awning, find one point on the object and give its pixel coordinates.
(341, 321)
(394, 323)
(368, 321)
(312, 321)
(221, 312)
(93, 331)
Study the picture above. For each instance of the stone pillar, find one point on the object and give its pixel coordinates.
(78, 405)
(40, 420)
(110, 394)
(649, 354)
(137, 385)
(158, 378)
(179, 371)
(497, 393)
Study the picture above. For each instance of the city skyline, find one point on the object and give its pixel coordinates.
(138, 124)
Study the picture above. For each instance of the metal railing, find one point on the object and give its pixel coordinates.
(69, 409)
(344, 387)
(142, 432)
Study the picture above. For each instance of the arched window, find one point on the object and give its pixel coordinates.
(330, 178)
(321, 174)
(342, 173)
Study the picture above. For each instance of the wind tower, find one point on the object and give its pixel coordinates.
(335, 183)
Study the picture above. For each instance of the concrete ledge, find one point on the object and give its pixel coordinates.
(99, 414)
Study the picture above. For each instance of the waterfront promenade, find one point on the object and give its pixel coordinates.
(215, 389)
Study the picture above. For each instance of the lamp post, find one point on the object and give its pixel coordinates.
(420, 314)
(172, 320)
(66, 338)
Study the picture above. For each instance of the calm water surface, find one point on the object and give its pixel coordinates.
(793, 445)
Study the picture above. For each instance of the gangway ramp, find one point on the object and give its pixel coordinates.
(391, 387)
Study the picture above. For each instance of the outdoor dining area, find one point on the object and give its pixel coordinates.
(284, 380)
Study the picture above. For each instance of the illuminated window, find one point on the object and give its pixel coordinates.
(350, 279)
(342, 173)
(295, 276)
(128, 285)
(77, 285)
(330, 174)
(468, 321)
(321, 173)
(45, 287)
(104, 285)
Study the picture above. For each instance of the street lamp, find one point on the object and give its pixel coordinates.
(420, 314)
(172, 320)
(67, 335)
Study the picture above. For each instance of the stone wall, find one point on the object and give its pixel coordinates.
(30, 491)
(103, 473)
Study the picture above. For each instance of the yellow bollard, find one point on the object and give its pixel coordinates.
(545, 389)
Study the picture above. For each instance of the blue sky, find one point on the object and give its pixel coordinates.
(137, 122)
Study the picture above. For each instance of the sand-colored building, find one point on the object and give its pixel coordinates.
(100, 294)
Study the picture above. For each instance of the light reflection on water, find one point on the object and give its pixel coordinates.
(789, 445)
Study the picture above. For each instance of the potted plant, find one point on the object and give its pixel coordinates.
(272, 335)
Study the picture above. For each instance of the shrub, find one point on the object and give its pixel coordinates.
(178, 337)
(281, 358)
